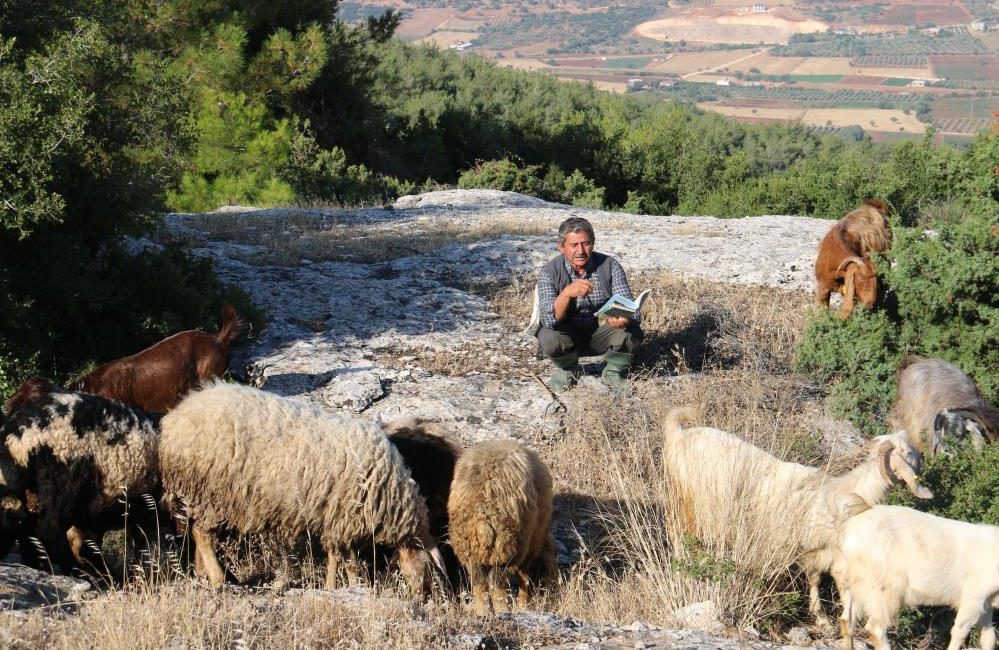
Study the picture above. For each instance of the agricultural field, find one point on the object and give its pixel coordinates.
(963, 114)
(971, 68)
(891, 61)
(909, 15)
(873, 119)
(947, 41)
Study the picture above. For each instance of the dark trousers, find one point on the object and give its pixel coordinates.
(592, 340)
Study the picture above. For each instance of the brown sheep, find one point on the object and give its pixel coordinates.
(844, 265)
(156, 378)
(500, 513)
(935, 400)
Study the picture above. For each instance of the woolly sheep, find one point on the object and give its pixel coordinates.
(892, 557)
(500, 511)
(252, 461)
(79, 462)
(729, 487)
(934, 399)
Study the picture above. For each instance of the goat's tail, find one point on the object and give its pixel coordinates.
(232, 326)
(676, 420)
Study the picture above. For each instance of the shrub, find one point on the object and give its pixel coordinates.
(857, 358)
(503, 175)
(324, 175)
(965, 484)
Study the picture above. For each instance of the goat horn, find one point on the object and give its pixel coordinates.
(884, 462)
(848, 261)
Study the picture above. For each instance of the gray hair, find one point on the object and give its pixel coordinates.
(575, 224)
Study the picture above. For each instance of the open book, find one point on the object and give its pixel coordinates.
(621, 307)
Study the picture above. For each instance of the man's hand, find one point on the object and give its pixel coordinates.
(619, 322)
(578, 289)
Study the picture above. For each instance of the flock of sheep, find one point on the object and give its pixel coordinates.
(218, 456)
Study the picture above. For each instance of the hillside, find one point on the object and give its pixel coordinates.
(419, 309)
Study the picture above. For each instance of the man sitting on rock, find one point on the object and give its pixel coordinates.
(571, 288)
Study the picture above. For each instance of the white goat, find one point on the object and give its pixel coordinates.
(729, 487)
(891, 557)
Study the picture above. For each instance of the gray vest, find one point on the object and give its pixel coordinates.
(561, 278)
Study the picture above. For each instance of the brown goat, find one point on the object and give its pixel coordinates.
(155, 379)
(844, 265)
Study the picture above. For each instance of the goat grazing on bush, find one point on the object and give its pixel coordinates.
(936, 400)
(844, 264)
(155, 379)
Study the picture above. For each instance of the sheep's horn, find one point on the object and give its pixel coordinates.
(848, 261)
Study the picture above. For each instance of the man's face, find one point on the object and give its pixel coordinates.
(577, 248)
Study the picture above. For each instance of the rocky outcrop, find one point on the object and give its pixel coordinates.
(351, 330)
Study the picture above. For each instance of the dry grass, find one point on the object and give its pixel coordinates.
(287, 240)
(723, 349)
(184, 614)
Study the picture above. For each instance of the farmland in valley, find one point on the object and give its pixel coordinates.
(897, 67)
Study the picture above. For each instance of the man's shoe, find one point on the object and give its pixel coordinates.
(566, 370)
(617, 364)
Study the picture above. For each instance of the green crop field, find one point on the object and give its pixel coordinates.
(633, 63)
(896, 81)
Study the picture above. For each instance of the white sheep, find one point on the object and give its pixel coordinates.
(79, 462)
(936, 398)
(247, 459)
(500, 511)
(890, 557)
(728, 487)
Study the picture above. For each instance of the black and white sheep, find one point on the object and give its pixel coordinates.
(79, 463)
(249, 460)
(730, 487)
(936, 400)
(890, 557)
(500, 513)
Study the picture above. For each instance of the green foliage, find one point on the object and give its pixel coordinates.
(551, 184)
(947, 286)
(324, 175)
(503, 175)
(240, 151)
(93, 132)
(965, 485)
(858, 358)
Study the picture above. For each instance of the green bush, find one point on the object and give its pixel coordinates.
(965, 485)
(324, 175)
(503, 175)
